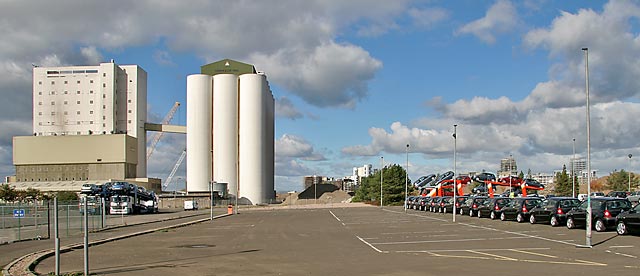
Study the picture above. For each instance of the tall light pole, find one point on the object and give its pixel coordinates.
(510, 173)
(381, 170)
(455, 184)
(589, 211)
(406, 179)
(630, 172)
(573, 169)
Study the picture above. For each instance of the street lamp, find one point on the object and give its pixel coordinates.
(573, 170)
(381, 169)
(510, 173)
(455, 185)
(630, 172)
(589, 210)
(406, 179)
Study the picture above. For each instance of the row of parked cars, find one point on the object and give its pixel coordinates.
(607, 212)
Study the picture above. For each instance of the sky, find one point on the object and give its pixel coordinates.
(358, 80)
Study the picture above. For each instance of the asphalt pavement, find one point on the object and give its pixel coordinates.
(358, 241)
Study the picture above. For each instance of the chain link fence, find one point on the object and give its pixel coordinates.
(34, 220)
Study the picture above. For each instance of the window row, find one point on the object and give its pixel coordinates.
(67, 93)
(65, 82)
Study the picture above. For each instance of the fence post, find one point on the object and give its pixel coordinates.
(49, 218)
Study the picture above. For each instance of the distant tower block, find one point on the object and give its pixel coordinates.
(199, 132)
(225, 130)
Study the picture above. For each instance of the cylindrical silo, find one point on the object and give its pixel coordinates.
(252, 136)
(199, 96)
(225, 130)
(269, 156)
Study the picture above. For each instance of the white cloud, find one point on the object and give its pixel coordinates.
(162, 57)
(286, 109)
(428, 17)
(291, 146)
(501, 17)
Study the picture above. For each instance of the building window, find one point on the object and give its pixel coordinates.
(104, 125)
(90, 81)
(78, 112)
(90, 111)
(104, 117)
(104, 96)
(78, 92)
(66, 113)
(77, 102)
(104, 107)
(52, 93)
(65, 82)
(53, 103)
(78, 122)
(39, 123)
(91, 102)
(104, 85)
(90, 91)
(66, 92)
(65, 102)
(78, 82)
(40, 93)
(129, 101)
(53, 82)
(53, 113)
(78, 132)
(129, 111)
(40, 113)
(39, 103)
(91, 122)
(40, 83)
(129, 121)
(104, 74)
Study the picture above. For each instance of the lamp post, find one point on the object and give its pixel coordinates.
(589, 210)
(573, 170)
(406, 179)
(381, 170)
(630, 171)
(455, 184)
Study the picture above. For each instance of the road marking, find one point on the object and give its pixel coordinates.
(520, 234)
(484, 254)
(427, 217)
(621, 254)
(419, 232)
(370, 245)
(492, 255)
(621, 246)
(483, 249)
(334, 215)
(533, 253)
(438, 241)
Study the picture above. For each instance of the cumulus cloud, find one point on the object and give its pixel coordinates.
(286, 109)
(162, 57)
(501, 17)
(428, 17)
(291, 146)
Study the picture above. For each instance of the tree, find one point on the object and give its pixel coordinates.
(618, 181)
(66, 196)
(529, 175)
(563, 186)
(521, 175)
(8, 193)
(393, 185)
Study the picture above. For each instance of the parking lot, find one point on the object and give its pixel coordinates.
(359, 241)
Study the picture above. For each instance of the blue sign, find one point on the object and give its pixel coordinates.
(18, 213)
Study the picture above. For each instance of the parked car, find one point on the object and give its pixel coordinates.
(629, 221)
(582, 197)
(518, 208)
(424, 202)
(460, 201)
(603, 214)
(480, 189)
(409, 202)
(446, 203)
(634, 197)
(533, 183)
(416, 203)
(553, 210)
(619, 194)
(485, 176)
(463, 179)
(511, 179)
(492, 208)
(597, 194)
(434, 204)
(473, 203)
(424, 180)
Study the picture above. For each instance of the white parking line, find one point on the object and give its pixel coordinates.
(370, 245)
(334, 215)
(621, 246)
(439, 241)
(482, 249)
(520, 234)
(621, 254)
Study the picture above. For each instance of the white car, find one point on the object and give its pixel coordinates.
(582, 197)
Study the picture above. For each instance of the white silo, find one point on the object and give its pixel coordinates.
(199, 107)
(252, 137)
(268, 186)
(225, 130)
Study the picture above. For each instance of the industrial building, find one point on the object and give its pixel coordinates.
(89, 126)
(230, 131)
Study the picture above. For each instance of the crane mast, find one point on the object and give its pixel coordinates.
(175, 168)
(158, 135)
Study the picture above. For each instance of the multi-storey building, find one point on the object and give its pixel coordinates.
(508, 167)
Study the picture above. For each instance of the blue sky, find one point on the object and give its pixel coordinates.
(356, 80)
